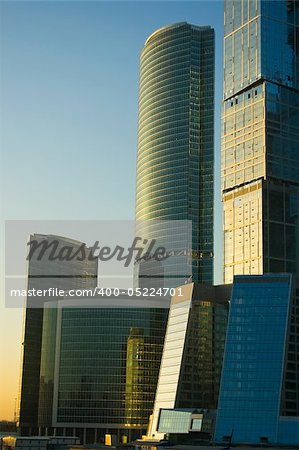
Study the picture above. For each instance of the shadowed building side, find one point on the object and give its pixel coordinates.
(46, 270)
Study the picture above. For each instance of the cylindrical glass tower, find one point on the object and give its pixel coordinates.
(175, 160)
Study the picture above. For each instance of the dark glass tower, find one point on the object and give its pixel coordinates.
(45, 272)
(175, 160)
(260, 138)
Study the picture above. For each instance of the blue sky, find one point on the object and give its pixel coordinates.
(69, 99)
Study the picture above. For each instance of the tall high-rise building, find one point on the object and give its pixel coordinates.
(46, 269)
(175, 160)
(260, 137)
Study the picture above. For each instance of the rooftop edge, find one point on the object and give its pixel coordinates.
(176, 25)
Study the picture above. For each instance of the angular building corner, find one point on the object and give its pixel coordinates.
(189, 378)
(258, 400)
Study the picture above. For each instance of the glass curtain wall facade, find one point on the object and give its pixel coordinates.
(37, 368)
(259, 384)
(107, 367)
(290, 393)
(260, 137)
(175, 160)
(204, 348)
(47, 365)
(191, 364)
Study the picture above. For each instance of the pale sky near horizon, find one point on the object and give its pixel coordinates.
(69, 99)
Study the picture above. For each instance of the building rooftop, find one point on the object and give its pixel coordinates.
(175, 25)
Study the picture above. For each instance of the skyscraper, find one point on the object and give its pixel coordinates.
(175, 160)
(260, 137)
(46, 270)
